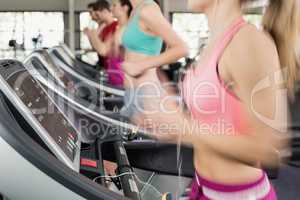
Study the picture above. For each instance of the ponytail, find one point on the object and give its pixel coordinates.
(281, 20)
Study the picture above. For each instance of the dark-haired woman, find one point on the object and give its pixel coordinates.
(112, 49)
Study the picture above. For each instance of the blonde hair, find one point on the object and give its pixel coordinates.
(281, 20)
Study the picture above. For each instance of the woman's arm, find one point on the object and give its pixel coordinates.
(102, 48)
(255, 73)
(154, 20)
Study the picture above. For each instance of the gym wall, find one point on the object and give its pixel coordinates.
(41, 5)
(62, 5)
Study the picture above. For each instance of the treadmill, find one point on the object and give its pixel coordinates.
(40, 149)
(43, 65)
(93, 113)
(63, 57)
(67, 56)
(51, 136)
(59, 53)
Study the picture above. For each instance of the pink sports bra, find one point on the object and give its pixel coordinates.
(210, 103)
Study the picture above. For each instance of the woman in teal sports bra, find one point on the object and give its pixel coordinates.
(142, 39)
(135, 40)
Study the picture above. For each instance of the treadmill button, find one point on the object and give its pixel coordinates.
(88, 163)
(70, 149)
(71, 144)
(73, 137)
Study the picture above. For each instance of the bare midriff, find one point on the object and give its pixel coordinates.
(148, 76)
(213, 166)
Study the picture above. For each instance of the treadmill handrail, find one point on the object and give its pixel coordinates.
(70, 57)
(67, 58)
(68, 50)
(98, 86)
(97, 115)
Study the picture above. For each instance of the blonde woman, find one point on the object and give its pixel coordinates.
(237, 99)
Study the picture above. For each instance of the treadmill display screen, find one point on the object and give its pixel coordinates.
(45, 111)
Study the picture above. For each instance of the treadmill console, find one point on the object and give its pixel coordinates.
(40, 111)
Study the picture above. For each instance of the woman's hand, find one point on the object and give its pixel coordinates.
(90, 33)
(86, 31)
(110, 167)
(102, 48)
(133, 69)
(164, 125)
(93, 33)
(166, 119)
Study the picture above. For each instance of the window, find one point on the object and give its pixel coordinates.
(254, 19)
(46, 27)
(85, 21)
(193, 28)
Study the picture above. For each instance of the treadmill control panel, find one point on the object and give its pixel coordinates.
(45, 117)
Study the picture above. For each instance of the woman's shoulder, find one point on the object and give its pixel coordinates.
(250, 38)
(149, 9)
(252, 45)
(251, 50)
